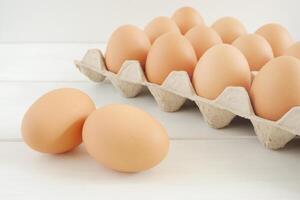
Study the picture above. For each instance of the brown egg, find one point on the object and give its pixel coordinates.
(256, 49)
(293, 50)
(229, 29)
(186, 18)
(159, 26)
(170, 52)
(53, 124)
(278, 37)
(126, 43)
(125, 138)
(221, 66)
(202, 38)
(276, 88)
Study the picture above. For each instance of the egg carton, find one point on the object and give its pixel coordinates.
(177, 88)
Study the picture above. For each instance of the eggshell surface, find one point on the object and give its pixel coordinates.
(221, 66)
(125, 138)
(186, 18)
(126, 43)
(293, 50)
(256, 49)
(278, 37)
(160, 25)
(53, 124)
(202, 38)
(229, 29)
(276, 88)
(170, 52)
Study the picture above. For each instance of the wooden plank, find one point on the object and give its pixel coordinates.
(198, 169)
(187, 123)
(55, 20)
(42, 62)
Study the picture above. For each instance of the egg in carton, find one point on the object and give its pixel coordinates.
(177, 88)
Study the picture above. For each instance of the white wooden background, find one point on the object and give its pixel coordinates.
(94, 20)
(39, 41)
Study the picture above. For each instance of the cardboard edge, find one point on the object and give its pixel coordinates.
(89, 72)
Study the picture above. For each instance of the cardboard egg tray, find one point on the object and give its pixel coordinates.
(177, 88)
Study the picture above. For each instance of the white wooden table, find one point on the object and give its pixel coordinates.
(203, 163)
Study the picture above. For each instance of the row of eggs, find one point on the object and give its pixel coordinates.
(215, 57)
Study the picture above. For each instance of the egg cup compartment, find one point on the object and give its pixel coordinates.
(167, 101)
(215, 117)
(128, 80)
(173, 92)
(125, 88)
(177, 88)
(92, 65)
(272, 136)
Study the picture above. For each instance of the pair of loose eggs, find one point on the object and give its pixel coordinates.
(121, 137)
